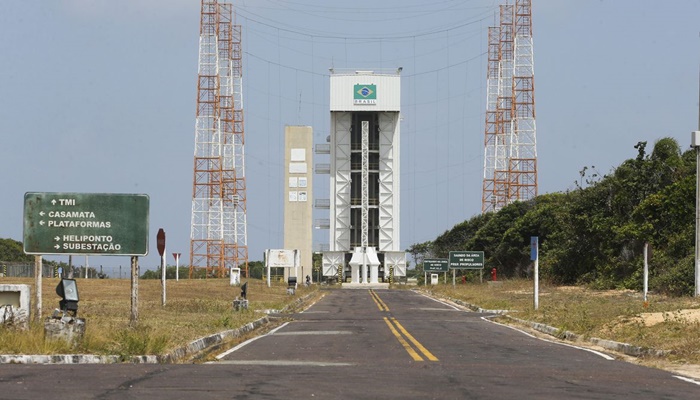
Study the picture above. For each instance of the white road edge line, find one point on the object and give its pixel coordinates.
(683, 378)
(229, 351)
(441, 302)
(605, 356)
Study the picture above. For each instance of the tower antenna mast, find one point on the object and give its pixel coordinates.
(510, 144)
(218, 238)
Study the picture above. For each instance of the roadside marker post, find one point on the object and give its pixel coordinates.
(177, 266)
(646, 273)
(534, 256)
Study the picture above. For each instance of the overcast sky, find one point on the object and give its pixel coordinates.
(99, 96)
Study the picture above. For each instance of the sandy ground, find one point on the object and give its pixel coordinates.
(691, 316)
(649, 319)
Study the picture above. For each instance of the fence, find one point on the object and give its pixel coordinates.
(23, 270)
(26, 270)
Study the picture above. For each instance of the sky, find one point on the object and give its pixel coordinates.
(99, 96)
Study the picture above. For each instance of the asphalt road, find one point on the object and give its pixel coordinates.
(367, 344)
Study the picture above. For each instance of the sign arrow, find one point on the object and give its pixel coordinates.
(119, 221)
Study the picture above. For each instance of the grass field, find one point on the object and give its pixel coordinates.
(621, 316)
(194, 309)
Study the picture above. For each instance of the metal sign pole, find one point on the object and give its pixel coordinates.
(160, 241)
(162, 278)
(37, 281)
(134, 291)
(697, 215)
(177, 266)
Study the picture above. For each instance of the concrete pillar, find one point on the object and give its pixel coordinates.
(374, 274)
(355, 272)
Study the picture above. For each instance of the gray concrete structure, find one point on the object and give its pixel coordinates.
(298, 196)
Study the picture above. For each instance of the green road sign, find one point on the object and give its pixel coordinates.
(436, 265)
(86, 223)
(466, 259)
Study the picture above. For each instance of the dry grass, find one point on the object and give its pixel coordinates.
(614, 315)
(194, 308)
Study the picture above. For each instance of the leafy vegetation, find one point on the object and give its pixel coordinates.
(595, 234)
(12, 251)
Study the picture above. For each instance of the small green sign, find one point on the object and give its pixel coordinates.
(365, 94)
(436, 265)
(467, 260)
(86, 223)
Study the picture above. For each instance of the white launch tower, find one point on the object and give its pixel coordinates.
(364, 242)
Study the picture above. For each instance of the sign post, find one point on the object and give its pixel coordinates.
(534, 256)
(160, 241)
(436, 265)
(38, 269)
(86, 223)
(465, 260)
(90, 224)
(134, 318)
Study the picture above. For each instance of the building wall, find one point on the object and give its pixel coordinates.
(298, 196)
(380, 103)
(340, 181)
(386, 97)
(389, 182)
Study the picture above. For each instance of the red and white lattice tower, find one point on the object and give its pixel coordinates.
(510, 145)
(218, 239)
(494, 144)
(522, 165)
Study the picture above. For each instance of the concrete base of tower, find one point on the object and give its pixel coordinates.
(380, 285)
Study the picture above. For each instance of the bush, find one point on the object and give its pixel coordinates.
(675, 279)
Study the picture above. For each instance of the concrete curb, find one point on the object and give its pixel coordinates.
(58, 359)
(624, 348)
(190, 350)
(208, 342)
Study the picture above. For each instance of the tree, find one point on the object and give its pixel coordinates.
(13, 251)
(595, 234)
(256, 269)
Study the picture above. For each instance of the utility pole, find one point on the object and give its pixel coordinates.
(695, 142)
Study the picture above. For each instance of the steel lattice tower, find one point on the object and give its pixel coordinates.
(218, 239)
(522, 164)
(510, 146)
(494, 144)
